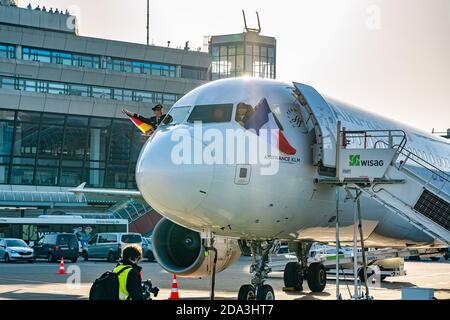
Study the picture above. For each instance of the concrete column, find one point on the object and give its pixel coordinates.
(94, 146)
(18, 52)
(2, 142)
(103, 62)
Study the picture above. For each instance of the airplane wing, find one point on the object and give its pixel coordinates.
(110, 192)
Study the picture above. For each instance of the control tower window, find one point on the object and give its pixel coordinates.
(211, 113)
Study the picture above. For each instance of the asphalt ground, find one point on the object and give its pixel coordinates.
(40, 281)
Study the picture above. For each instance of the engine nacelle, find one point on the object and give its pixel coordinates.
(181, 251)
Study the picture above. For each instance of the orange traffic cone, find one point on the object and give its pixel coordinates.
(61, 267)
(174, 293)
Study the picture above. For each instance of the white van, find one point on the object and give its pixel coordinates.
(110, 245)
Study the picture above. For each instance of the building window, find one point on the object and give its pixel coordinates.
(230, 61)
(193, 73)
(7, 51)
(7, 83)
(57, 88)
(78, 90)
(93, 61)
(86, 91)
(50, 149)
(102, 93)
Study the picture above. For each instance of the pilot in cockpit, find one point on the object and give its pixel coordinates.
(243, 113)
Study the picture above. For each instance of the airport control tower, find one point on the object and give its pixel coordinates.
(248, 53)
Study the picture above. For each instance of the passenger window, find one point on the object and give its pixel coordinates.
(211, 113)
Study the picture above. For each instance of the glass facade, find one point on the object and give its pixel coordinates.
(7, 51)
(59, 57)
(238, 59)
(193, 73)
(98, 62)
(154, 69)
(47, 149)
(41, 86)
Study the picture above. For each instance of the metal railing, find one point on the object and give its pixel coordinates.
(41, 196)
(434, 171)
(129, 209)
(392, 138)
(417, 223)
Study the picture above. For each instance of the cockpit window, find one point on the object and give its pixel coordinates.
(211, 113)
(176, 115)
(243, 113)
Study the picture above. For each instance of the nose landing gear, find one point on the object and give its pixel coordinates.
(260, 270)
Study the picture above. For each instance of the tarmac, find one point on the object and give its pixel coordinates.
(40, 281)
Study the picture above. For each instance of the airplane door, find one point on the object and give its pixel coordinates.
(243, 174)
(324, 122)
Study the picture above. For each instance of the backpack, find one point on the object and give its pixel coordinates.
(106, 287)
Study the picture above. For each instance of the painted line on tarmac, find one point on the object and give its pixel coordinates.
(28, 281)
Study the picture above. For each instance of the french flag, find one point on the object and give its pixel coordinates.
(263, 118)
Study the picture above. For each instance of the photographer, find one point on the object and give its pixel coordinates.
(130, 278)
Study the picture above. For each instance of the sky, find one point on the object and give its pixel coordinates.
(388, 57)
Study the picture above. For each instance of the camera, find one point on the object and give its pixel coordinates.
(148, 290)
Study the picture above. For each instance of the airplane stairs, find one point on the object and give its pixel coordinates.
(405, 183)
(422, 199)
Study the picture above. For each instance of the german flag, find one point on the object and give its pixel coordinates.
(145, 127)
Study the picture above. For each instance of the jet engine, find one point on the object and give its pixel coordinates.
(182, 251)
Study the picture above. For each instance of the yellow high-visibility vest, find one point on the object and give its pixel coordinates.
(123, 276)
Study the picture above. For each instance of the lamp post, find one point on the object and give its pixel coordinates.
(148, 22)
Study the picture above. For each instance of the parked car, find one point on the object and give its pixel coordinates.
(109, 245)
(15, 250)
(55, 246)
(147, 249)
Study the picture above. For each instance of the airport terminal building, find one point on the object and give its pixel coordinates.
(61, 96)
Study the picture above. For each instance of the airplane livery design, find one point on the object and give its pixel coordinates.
(216, 204)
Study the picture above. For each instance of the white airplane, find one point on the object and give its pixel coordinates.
(225, 201)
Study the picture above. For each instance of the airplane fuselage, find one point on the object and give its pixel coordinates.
(277, 196)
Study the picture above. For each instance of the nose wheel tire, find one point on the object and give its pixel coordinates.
(265, 293)
(246, 292)
(317, 277)
(293, 276)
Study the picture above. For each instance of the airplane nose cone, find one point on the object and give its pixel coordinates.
(164, 183)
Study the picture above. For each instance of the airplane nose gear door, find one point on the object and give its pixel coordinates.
(243, 174)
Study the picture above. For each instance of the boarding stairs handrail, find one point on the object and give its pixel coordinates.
(431, 168)
(390, 199)
(413, 220)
